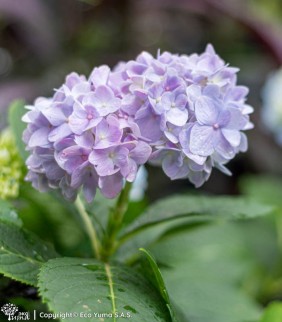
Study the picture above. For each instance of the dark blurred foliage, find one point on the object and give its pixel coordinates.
(41, 41)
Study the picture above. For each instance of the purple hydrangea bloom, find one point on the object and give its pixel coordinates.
(217, 128)
(174, 104)
(189, 108)
(80, 138)
(185, 113)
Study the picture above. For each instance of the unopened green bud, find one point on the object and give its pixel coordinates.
(11, 166)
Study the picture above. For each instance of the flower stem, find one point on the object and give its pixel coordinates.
(89, 227)
(115, 222)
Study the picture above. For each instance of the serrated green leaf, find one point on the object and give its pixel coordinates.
(197, 208)
(87, 286)
(8, 214)
(273, 313)
(22, 253)
(159, 282)
(16, 112)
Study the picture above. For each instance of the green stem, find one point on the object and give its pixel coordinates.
(89, 227)
(115, 222)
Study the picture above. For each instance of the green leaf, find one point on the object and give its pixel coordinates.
(267, 189)
(87, 286)
(135, 209)
(273, 313)
(8, 214)
(159, 282)
(198, 208)
(22, 253)
(16, 112)
(204, 272)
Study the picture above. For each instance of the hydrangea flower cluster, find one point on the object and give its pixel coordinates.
(272, 105)
(189, 108)
(80, 138)
(185, 113)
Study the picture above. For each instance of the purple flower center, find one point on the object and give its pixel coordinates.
(89, 116)
(216, 126)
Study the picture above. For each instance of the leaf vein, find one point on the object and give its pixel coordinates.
(111, 285)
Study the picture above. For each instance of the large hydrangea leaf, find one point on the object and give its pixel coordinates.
(21, 252)
(197, 208)
(99, 291)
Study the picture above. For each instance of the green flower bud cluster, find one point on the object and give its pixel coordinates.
(11, 166)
